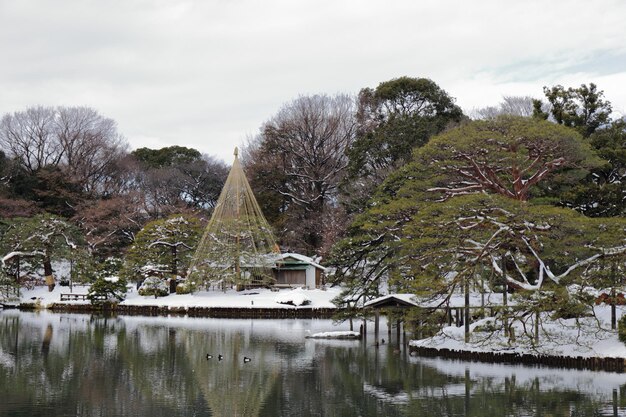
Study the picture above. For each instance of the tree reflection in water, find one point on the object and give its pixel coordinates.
(65, 364)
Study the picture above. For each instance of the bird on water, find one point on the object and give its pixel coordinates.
(246, 359)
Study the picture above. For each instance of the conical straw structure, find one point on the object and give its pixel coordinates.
(238, 247)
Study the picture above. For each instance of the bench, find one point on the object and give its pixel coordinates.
(276, 287)
(74, 297)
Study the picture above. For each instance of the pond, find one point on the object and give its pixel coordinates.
(74, 364)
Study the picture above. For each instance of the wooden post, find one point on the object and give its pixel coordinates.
(404, 333)
(420, 332)
(376, 326)
(468, 392)
(398, 324)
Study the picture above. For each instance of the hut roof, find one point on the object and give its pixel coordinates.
(296, 258)
(393, 300)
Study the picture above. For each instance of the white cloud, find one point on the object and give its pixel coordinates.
(206, 74)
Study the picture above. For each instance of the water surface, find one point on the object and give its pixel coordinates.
(73, 364)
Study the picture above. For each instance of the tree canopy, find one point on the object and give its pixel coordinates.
(164, 247)
(393, 119)
(32, 243)
(507, 156)
(465, 200)
(582, 108)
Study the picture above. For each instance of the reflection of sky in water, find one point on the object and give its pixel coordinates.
(157, 366)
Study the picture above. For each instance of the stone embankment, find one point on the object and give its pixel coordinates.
(572, 362)
(213, 312)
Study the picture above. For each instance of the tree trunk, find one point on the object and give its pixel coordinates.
(17, 270)
(47, 271)
(505, 289)
(174, 261)
(613, 295)
(467, 309)
(613, 310)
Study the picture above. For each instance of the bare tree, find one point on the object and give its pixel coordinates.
(78, 140)
(510, 105)
(304, 146)
(30, 137)
(111, 224)
(90, 144)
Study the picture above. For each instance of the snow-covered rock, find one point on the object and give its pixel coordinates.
(347, 334)
(295, 297)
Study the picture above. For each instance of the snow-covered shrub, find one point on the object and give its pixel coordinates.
(294, 298)
(9, 290)
(488, 325)
(154, 286)
(183, 288)
(107, 290)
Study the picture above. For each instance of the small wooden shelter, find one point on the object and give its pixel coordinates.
(295, 270)
(395, 301)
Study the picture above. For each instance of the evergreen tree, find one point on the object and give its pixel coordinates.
(465, 204)
(164, 247)
(602, 193)
(582, 108)
(37, 241)
(393, 119)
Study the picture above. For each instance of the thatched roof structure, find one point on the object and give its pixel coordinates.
(238, 246)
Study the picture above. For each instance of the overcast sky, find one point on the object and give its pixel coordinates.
(207, 74)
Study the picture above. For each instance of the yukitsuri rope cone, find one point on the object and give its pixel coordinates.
(238, 247)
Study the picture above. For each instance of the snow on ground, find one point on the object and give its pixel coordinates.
(596, 382)
(257, 298)
(556, 337)
(44, 298)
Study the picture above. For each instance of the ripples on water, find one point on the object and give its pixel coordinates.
(71, 364)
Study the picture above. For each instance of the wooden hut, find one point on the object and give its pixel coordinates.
(295, 270)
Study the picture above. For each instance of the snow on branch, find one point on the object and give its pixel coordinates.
(604, 252)
(168, 244)
(14, 254)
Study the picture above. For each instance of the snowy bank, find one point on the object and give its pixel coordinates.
(251, 299)
(588, 337)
